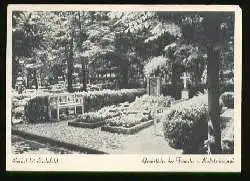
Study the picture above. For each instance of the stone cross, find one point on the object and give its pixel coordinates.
(185, 78)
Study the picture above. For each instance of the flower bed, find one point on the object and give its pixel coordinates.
(95, 119)
(125, 115)
(127, 123)
(133, 128)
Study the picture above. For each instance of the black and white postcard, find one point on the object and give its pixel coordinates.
(154, 88)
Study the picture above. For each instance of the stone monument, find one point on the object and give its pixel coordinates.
(185, 92)
(154, 86)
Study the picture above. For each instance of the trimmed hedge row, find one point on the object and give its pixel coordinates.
(36, 110)
(98, 99)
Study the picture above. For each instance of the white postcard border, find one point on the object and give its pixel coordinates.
(32, 162)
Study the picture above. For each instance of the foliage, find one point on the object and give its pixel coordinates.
(127, 120)
(196, 89)
(228, 99)
(36, 109)
(150, 103)
(226, 87)
(185, 125)
(157, 66)
(90, 117)
(98, 99)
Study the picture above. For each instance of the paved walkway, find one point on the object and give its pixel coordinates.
(149, 141)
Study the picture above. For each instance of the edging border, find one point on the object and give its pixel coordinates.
(83, 124)
(43, 139)
(131, 130)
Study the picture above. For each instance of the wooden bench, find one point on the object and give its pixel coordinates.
(65, 100)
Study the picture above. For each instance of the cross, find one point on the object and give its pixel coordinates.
(185, 77)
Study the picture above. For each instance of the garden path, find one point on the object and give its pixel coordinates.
(149, 141)
(144, 142)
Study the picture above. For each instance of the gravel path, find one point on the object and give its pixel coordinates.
(141, 143)
(21, 145)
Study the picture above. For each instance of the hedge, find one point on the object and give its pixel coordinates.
(170, 90)
(185, 125)
(98, 99)
(36, 109)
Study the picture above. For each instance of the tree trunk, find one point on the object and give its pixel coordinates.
(124, 83)
(124, 68)
(175, 78)
(213, 99)
(84, 83)
(70, 67)
(35, 77)
(14, 71)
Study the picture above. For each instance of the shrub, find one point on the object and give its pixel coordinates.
(170, 90)
(226, 87)
(185, 125)
(227, 142)
(228, 99)
(36, 110)
(18, 112)
(195, 90)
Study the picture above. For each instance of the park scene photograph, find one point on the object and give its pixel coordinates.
(122, 82)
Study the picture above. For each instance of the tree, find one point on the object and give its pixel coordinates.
(212, 37)
(27, 38)
(210, 32)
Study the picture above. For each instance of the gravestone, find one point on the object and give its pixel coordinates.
(185, 92)
(154, 86)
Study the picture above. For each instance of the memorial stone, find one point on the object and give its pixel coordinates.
(154, 86)
(185, 92)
